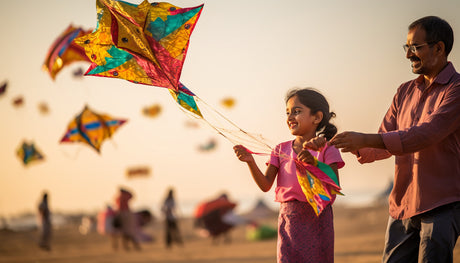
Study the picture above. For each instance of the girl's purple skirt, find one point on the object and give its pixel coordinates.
(302, 236)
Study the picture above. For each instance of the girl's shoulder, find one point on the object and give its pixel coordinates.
(284, 146)
(330, 154)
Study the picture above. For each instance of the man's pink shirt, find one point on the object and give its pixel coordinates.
(422, 130)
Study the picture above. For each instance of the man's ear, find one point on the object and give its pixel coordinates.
(440, 47)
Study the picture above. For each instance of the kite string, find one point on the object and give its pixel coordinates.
(233, 124)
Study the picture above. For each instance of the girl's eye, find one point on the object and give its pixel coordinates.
(296, 112)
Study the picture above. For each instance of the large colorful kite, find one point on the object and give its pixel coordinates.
(145, 43)
(64, 51)
(91, 128)
(28, 153)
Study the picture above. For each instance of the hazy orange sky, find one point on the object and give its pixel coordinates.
(253, 51)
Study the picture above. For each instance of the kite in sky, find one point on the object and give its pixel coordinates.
(28, 153)
(18, 101)
(43, 108)
(3, 87)
(208, 146)
(91, 128)
(228, 102)
(138, 171)
(145, 43)
(64, 51)
(152, 111)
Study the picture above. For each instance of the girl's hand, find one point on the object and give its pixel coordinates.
(243, 154)
(315, 144)
(306, 157)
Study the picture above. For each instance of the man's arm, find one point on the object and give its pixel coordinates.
(353, 141)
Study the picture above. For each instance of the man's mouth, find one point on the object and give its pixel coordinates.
(414, 61)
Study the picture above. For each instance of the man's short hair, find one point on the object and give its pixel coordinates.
(437, 29)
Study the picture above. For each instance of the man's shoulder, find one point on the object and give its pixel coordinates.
(410, 84)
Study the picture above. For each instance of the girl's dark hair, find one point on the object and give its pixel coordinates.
(314, 100)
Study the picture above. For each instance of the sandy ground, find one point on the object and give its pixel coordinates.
(359, 238)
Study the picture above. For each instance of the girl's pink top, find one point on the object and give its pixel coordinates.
(283, 156)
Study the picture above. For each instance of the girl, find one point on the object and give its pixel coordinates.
(302, 236)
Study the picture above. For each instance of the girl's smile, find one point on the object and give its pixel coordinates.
(300, 120)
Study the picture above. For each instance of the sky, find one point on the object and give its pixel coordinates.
(253, 51)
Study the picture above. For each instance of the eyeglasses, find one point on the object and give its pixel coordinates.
(414, 48)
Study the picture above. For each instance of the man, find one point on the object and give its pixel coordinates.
(422, 130)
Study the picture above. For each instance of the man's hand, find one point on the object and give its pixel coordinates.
(349, 141)
(315, 144)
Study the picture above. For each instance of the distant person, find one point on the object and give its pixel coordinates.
(125, 220)
(169, 209)
(109, 224)
(422, 130)
(302, 235)
(106, 225)
(45, 223)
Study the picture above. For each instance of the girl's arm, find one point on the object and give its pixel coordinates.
(264, 181)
